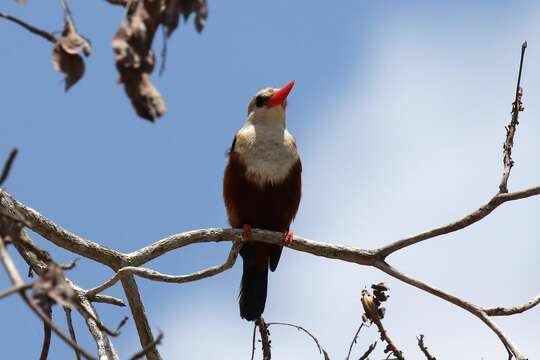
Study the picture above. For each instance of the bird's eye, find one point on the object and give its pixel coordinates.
(260, 101)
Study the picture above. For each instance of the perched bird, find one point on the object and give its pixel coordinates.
(262, 189)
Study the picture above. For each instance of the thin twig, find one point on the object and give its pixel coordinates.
(253, 341)
(299, 328)
(138, 313)
(46, 337)
(511, 128)
(163, 65)
(14, 289)
(16, 279)
(265, 339)
(104, 346)
(370, 303)
(354, 340)
(368, 351)
(99, 324)
(178, 279)
(72, 334)
(462, 223)
(148, 347)
(7, 166)
(44, 34)
(424, 348)
(501, 311)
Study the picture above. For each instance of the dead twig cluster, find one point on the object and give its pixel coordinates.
(134, 57)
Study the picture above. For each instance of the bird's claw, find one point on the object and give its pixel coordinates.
(287, 237)
(246, 233)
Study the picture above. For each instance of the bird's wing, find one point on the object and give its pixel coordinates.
(294, 186)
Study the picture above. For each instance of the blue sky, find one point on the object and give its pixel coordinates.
(399, 113)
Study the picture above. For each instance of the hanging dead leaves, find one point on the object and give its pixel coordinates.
(67, 48)
(134, 57)
(67, 54)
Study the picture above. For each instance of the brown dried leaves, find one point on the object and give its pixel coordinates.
(176, 8)
(132, 45)
(67, 54)
(52, 288)
(135, 59)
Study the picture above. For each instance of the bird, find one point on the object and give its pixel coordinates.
(262, 187)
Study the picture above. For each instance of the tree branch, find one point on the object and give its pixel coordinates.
(7, 165)
(265, 340)
(17, 281)
(469, 307)
(44, 34)
(501, 311)
(511, 128)
(467, 220)
(139, 316)
(46, 337)
(368, 351)
(300, 328)
(424, 348)
(57, 235)
(72, 334)
(178, 279)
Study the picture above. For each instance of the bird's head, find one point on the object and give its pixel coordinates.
(268, 106)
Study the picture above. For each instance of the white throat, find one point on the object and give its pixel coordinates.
(266, 147)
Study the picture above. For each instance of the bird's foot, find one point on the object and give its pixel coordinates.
(287, 237)
(246, 234)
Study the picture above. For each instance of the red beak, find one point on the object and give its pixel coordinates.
(280, 96)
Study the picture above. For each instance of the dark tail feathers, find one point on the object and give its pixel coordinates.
(253, 292)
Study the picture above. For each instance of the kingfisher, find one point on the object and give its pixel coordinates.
(262, 186)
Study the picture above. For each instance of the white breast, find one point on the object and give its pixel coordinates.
(269, 152)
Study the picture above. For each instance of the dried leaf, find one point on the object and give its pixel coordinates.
(10, 230)
(135, 59)
(176, 8)
(52, 288)
(66, 54)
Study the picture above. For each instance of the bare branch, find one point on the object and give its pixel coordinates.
(265, 340)
(118, 2)
(469, 307)
(138, 313)
(105, 348)
(44, 34)
(104, 345)
(156, 276)
(7, 165)
(375, 313)
(511, 128)
(424, 348)
(467, 220)
(253, 341)
(368, 351)
(300, 328)
(17, 281)
(106, 299)
(46, 337)
(58, 235)
(71, 330)
(501, 311)
(354, 340)
(14, 289)
(148, 348)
